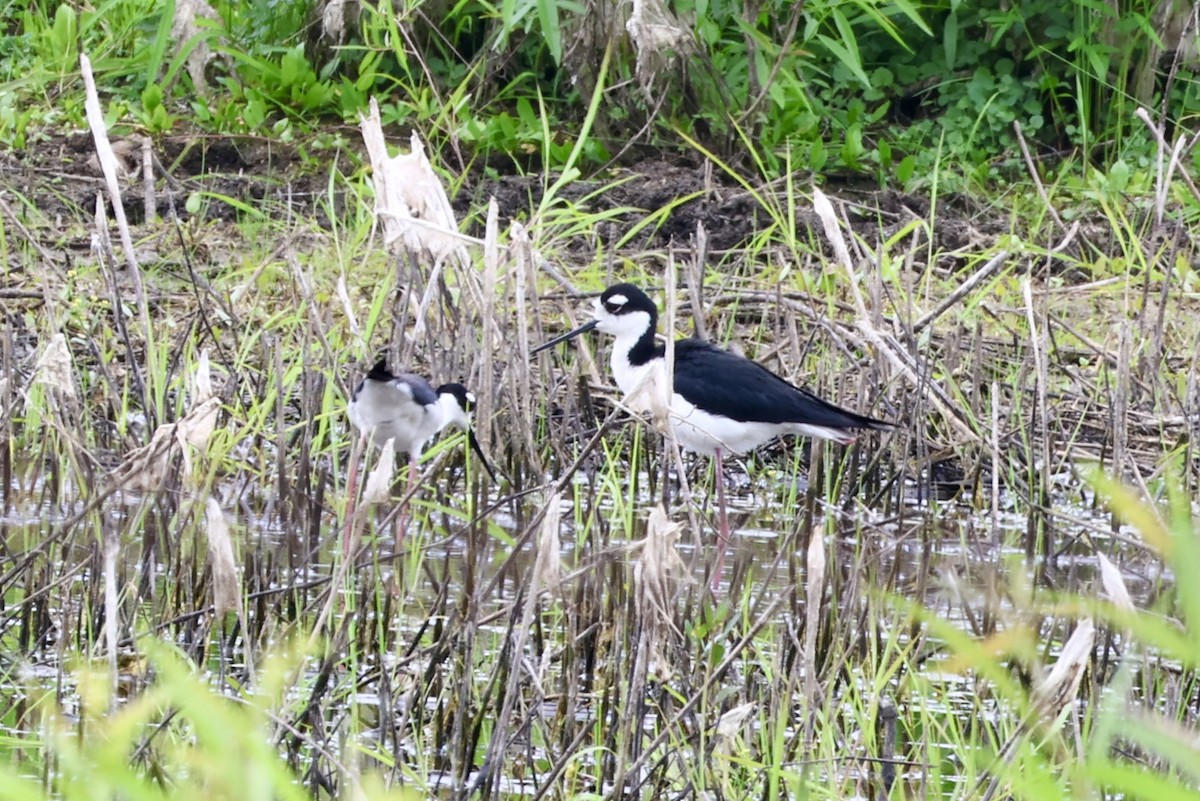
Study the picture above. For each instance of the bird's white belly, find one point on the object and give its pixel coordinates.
(694, 429)
(699, 431)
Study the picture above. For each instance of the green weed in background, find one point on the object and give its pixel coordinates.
(866, 87)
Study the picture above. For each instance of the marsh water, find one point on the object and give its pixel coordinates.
(935, 547)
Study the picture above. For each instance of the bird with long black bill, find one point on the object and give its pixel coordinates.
(406, 410)
(721, 402)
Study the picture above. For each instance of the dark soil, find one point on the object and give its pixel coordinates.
(58, 180)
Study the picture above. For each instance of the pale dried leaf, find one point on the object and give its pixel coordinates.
(200, 382)
(547, 569)
(1114, 584)
(145, 468)
(659, 39)
(378, 488)
(491, 240)
(658, 665)
(54, 367)
(732, 721)
(410, 201)
(1061, 683)
(333, 21)
(833, 231)
(123, 154)
(816, 568)
(652, 393)
(659, 562)
(186, 26)
(195, 429)
(654, 575)
(101, 241)
(347, 306)
(226, 584)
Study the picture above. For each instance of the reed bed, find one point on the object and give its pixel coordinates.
(172, 576)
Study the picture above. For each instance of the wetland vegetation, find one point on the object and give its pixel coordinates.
(999, 599)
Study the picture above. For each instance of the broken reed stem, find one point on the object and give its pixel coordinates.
(491, 335)
(524, 281)
(997, 535)
(112, 612)
(812, 621)
(694, 278)
(662, 404)
(108, 165)
(1033, 174)
(894, 356)
(1120, 404)
(1042, 378)
(149, 198)
(964, 289)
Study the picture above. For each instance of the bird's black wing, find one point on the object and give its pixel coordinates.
(743, 390)
(422, 390)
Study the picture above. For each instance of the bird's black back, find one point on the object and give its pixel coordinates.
(743, 390)
(422, 391)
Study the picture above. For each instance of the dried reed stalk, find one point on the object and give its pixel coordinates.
(894, 355)
(109, 167)
(813, 599)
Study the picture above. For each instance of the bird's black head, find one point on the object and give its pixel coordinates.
(466, 402)
(463, 396)
(380, 371)
(620, 299)
(616, 312)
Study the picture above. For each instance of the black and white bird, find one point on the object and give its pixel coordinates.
(406, 411)
(721, 402)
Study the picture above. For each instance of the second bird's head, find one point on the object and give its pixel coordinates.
(460, 411)
(464, 402)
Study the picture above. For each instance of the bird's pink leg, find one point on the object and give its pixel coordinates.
(723, 525)
(402, 518)
(351, 494)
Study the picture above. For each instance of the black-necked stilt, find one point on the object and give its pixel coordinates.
(722, 402)
(406, 410)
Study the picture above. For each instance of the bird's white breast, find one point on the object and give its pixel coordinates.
(694, 429)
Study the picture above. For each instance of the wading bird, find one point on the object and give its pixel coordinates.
(721, 402)
(408, 411)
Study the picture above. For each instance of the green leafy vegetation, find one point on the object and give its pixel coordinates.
(880, 89)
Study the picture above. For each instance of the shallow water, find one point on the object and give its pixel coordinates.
(947, 556)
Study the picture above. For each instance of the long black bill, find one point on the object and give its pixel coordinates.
(478, 450)
(588, 326)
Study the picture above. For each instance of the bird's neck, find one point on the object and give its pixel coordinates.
(641, 350)
(452, 413)
(632, 355)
